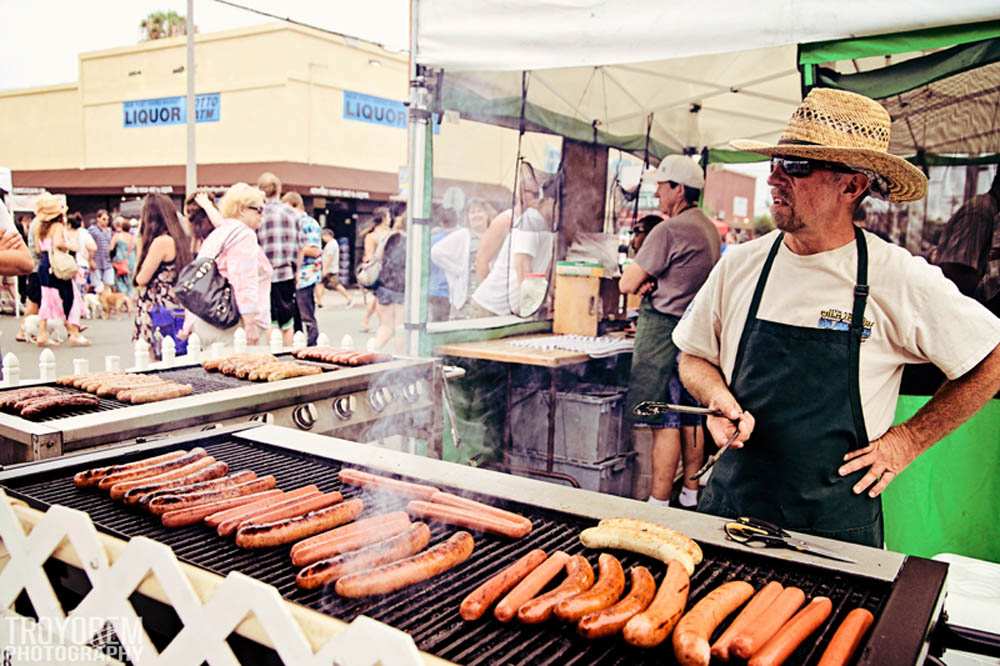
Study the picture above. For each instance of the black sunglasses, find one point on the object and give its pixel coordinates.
(258, 209)
(800, 167)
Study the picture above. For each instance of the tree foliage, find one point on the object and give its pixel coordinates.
(160, 25)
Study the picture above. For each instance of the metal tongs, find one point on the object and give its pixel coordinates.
(653, 408)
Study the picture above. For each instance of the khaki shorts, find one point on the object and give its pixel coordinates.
(331, 281)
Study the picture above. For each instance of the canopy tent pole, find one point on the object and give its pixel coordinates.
(420, 166)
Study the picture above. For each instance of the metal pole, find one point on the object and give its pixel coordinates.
(191, 170)
(420, 152)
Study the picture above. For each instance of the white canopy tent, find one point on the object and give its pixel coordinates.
(700, 72)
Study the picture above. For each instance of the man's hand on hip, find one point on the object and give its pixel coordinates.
(885, 458)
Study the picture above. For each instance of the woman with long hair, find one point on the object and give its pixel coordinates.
(164, 249)
(60, 299)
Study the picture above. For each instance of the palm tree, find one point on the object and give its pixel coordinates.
(159, 25)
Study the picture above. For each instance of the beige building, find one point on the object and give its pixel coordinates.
(323, 112)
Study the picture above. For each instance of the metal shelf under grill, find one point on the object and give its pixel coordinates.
(429, 611)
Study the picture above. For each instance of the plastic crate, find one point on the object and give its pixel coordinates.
(612, 477)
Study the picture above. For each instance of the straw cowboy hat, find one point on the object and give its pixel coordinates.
(49, 206)
(849, 129)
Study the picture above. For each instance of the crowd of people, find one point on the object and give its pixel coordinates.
(272, 256)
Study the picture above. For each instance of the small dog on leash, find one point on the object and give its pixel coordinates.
(56, 329)
(93, 309)
(113, 303)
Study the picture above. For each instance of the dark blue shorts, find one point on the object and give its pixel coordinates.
(386, 296)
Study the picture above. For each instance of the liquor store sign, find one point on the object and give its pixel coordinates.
(170, 111)
(378, 111)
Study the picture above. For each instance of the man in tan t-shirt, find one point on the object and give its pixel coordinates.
(672, 264)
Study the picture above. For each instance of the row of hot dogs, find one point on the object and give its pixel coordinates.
(259, 367)
(128, 387)
(766, 632)
(374, 555)
(339, 356)
(42, 400)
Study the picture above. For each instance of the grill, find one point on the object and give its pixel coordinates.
(428, 612)
(366, 395)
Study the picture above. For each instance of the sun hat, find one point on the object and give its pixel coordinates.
(49, 206)
(679, 169)
(849, 129)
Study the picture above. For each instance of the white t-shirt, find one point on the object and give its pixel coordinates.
(6, 219)
(331, 258)
(499, 292)
(913, 314)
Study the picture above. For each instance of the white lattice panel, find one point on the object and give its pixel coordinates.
(207, 622)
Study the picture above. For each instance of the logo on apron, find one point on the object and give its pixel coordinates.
(839, 320)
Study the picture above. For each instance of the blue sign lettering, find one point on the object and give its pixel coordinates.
(170, 111)
(377, 110)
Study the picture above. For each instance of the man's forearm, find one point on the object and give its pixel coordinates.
(702, 379)
(954, 403)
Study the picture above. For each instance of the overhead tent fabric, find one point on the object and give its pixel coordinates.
(708, 71)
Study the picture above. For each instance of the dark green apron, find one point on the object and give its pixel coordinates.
(801, 385)
(654, 360)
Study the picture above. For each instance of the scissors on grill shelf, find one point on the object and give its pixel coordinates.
(758, 533)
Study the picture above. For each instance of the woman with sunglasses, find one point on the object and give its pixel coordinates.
(240, 259)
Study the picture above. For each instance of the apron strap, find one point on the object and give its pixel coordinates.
(758, 294)
(857, 333)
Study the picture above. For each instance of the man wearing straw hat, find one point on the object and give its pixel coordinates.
(800, 337)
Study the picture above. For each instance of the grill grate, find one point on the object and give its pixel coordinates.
(429, 612)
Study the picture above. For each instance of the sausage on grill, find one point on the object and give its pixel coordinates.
(9, 398)
(611, 620)
(91, 477)
(532, 584)
(203, 479)
(152, 470)
(579, 577)
(652, 626)
(349, 537)
(606, 591)
(469, 519)
(173, 502)
(288, 508)
(747, 617)
(216, 519)
(194, 514)
(202, 469)
(52, 403)
(290, 530)
(480, 599)
(696, 627)
(356, 477)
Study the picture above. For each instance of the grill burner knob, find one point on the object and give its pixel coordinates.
(305, 416)
(266, 417)
(344, 407)
(412, 392)
(380, 398)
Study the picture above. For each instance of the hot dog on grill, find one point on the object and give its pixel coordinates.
(780, 646)
(397, 575)
(643, 537)
(10, 398)
(847, 638)
(532, 584)
(696, 627)
(151, 470)
(479, 600)
(299, 370)
(349, 537)
(760, 603)
(165, 503)
(652, 626)
(203, 469)
(91, 477)
(483, 508)
(52, 403)
(115, 384)
(216, 519)
(753, 637)
(288, 508)
(165, 391)
(606, 591)
(289, 530)
(454, 515)
(410, 542)
(142, 495)
(579, 577)
(612, 620)
(194, 514)
(356, 477)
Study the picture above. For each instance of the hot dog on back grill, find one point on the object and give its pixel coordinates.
(356, 477)
(202, 469)
(9, 398)
(215, 519)
(454, 515)
(482, 508)
(349, 537)
(410, 542)
(289, 530)
(288, 508)
(91, 477)
(51, 403)
(200, 480)
(165, 391)
(194, 514)
(397, 575)
(115, 384)
(133, 474)
(165, 503)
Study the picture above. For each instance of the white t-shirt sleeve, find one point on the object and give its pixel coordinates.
(524, 242)
(700, 328)
(6, 219)
(950, 330)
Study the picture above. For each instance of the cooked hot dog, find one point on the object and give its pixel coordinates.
(652, 626)
(91, 477)
(480, 507)
(479, 600)
(356, 477)
(780, 646)
(212, 484)
(532, 584)
(696, 627)
(349, 537)
(118, 490)
(752, 638)
(50, 403)
(216, 519)
(288, 508)
(760, 603)
(143, 494)
(10, 398)
(410, 542)
(605, 592)
(612, 620)
(289, 530)
(113, 385)
(165, 503)
(193, 514)
(152, 470)
(397, 575)
(579, 577)
(453, 515)
(847, 638)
